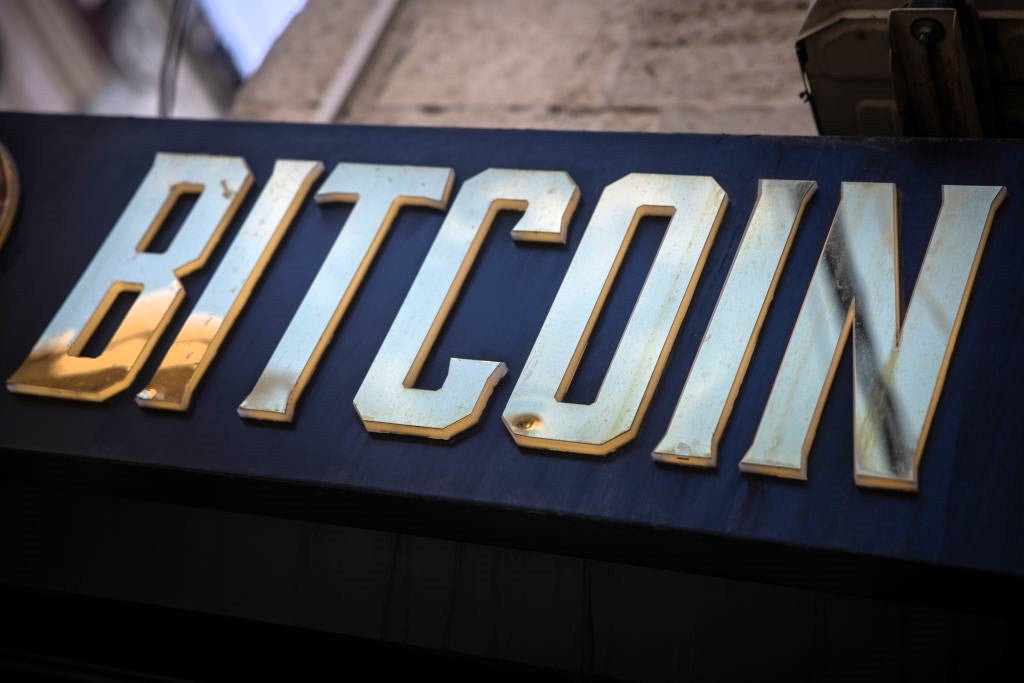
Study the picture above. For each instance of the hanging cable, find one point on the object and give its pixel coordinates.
(173, 48)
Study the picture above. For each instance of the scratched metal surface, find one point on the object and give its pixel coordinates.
(77, 174)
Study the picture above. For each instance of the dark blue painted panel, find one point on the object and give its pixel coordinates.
(78, 173)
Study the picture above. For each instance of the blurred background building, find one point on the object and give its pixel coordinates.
(108, 56)
(638, 65)
(944, 68)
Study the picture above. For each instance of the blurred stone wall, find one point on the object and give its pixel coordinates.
(725, 66)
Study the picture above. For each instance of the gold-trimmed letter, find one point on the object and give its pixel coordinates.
(55, 367)
(717, 372)
(536, 416)
(228, 291)
(379, 192)
(898, 370)
(386, 400)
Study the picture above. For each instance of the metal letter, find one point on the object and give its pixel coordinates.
(536, 416)
(386, 400)
(898, 373)
(229, 288)
(379, 192)
(9, 191)
(54, 366)
(721, 363)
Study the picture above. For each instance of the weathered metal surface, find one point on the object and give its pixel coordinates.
(899, 369)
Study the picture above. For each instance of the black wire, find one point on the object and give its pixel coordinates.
(172, 55)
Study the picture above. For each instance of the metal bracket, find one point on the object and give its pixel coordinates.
(931, 74)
